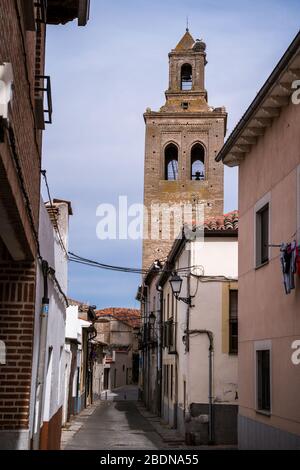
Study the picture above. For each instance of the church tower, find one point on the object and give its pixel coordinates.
(182, 141)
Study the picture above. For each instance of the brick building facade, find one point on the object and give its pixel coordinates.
(182, 141)
(22, 119)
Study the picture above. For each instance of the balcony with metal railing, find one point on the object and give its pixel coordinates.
(43, 101)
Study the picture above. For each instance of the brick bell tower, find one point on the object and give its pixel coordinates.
(182, 141)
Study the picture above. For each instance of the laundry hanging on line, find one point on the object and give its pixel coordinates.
(290, 263)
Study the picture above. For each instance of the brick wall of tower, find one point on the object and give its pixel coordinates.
(206, 128)
(17, 306)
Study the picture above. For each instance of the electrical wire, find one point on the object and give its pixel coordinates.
(73, 257)
(13, 148)
(56, 226)
(88, 262)
(30, 94)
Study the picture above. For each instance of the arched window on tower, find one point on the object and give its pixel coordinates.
(197, 163)
(171, 162)
(186, 77)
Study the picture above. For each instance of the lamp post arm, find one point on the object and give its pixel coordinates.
(186, 300)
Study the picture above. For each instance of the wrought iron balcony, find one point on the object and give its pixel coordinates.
(43, 90)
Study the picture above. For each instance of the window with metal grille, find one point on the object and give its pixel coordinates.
(171, 162)
(233, 322)
(263, 380)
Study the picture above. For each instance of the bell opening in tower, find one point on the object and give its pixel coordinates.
(197, 162)
(171, 162)
(186, 77)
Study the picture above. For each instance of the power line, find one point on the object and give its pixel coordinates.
(88, 262)
(13, 148)
(74, 258)
(55, 225)
(81, 260)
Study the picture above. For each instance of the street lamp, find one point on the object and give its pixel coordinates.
(176, 284)
(152, 319)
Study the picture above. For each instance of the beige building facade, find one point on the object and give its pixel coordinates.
(266, 146)
(199, 350)
(116, 329)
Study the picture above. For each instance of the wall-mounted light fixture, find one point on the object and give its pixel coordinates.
(176, 284)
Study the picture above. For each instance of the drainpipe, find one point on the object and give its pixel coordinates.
(210, 381)
(147, 352)
(41, 360)
(159, 353)
(144, 351)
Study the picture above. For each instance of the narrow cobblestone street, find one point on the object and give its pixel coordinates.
(120, 422)
(112, 424)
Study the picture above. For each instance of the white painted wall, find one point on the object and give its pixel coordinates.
(72, 322)
(217, 256)
(54, 380)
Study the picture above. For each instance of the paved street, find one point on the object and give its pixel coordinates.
(113, 424)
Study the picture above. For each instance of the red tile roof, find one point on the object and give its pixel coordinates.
(229, 221)
(130, 316)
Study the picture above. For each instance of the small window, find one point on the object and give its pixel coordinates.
(233, 322)
(171, 383)
(166, 381)
(262, 235)
(263, 380)
(171, 162)
(185, 105)
(197, 163)
(186, 77)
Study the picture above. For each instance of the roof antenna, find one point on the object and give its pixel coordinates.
(187, 24)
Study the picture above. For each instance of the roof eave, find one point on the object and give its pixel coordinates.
(267, 105)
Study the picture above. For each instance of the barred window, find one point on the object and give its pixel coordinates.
(233, 321)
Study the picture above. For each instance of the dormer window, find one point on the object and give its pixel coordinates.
(186, 77)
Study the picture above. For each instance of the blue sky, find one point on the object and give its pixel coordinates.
(103, 78)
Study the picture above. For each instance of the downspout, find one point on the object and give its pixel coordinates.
(176, 366)
(39, 392)
(188, 288)
(187, 340)
(144, 372)
(147, 372)
(159, 352)
(210, 381)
